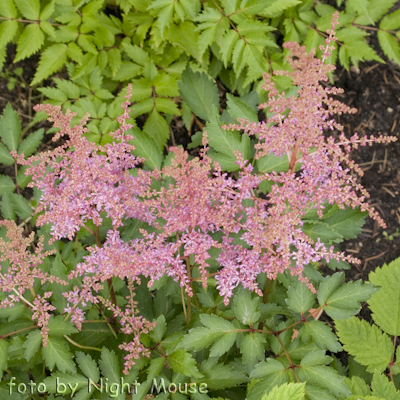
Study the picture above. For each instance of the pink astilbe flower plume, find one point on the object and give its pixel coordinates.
(79, 181)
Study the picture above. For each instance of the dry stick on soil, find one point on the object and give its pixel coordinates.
(373, 258)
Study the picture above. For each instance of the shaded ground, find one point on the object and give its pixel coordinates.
(374, 89)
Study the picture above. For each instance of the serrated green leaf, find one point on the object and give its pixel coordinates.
(29, 42)
(287, 391)
(228, 44)
(10, 127)
(166, 106)
(30, 144)
(51, 60)
(368, 345)
(347, 223)
(148, 149)
(321, 230)
(362, 7)
(390, 46)
(7, 209)
(88, 366)
(345, 301)
(3, 355)
(199, 93)
(5, 156)
(182, 362)
(6, 185)
(357, 386)
(157, 128)
(252, 349)
(238, 109)
(321, 334)
(32, 344)
(328, 286)
(8, 29)
(383, 388)
(272, 373)
(8, 9)
(22, 179)
(300, 298)
(58, 327)
(109, 367)
(245, 307)
(271, 163)
(56, 353)
(71, 90)
(30, 9)
(74, 52)
(385, 304)
(21, 206)
(64, 384)
(114, 60)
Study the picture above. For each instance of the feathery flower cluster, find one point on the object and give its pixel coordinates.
(41, 310)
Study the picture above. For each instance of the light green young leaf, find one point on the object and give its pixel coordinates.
(51, 60)
(6, 185)
(300, 298)
(321, 334)
(377, 9)
(182, 362)
(391, 21)
(114, 60)
(56, 353)
(390, 45)
(287, 391)
(166, 85)
(47, 11)
(88, 366)
(271, 163)
(29, 42)
(357, 386)
(385, 304)
(245, 307)
(166, 106)
(30, 9)
(329, 285)
(383, 388)
(252, 349)
(10, 127)
(32, 344)
(362, 7)
(277, 7)
(199, 93)
(8, 30)
(21, 206)
(72, 384)
(7, 209)
(158, 332)
(368, 344)
(8, 9)
(228, 44)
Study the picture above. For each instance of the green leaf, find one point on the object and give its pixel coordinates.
(238, 109)
(199, 93)
(383, 388)
(390, 46)
(58, 327)
(321, 334)
(3, 355)
(245, 307)
(300, 298)
(277, 7)
(32, 344)
(272, 373)
(166, 106)
(5, 156)
(185, 36)
(385, 304)
(368, 345)
(157, 128)
(328, 286)
(29, 42)
(252, 349)
(8, 29)
(6, 185)
(56, 353)
(347, 223)
(357, 386)
(88, 366)
(8, 9)
(114, 60)
(271, 163)
(109, 367)
(22, 179)
(321, 230)
(228, 44)
(158, 332)
(30, 144)
(324, 377)
(183, 362)
(287, 391)
(7, 209)
(63, 384)
(51, 60)
(10, 128)
(391, 21)
(345, 301)
(30, 9)
(148, 149)
(21, 206)
(361, 6)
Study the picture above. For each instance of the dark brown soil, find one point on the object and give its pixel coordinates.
(374, 89)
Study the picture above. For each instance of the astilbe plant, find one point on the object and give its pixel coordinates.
(195, 207)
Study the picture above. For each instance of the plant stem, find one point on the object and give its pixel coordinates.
(20, 330)
(80, 346)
